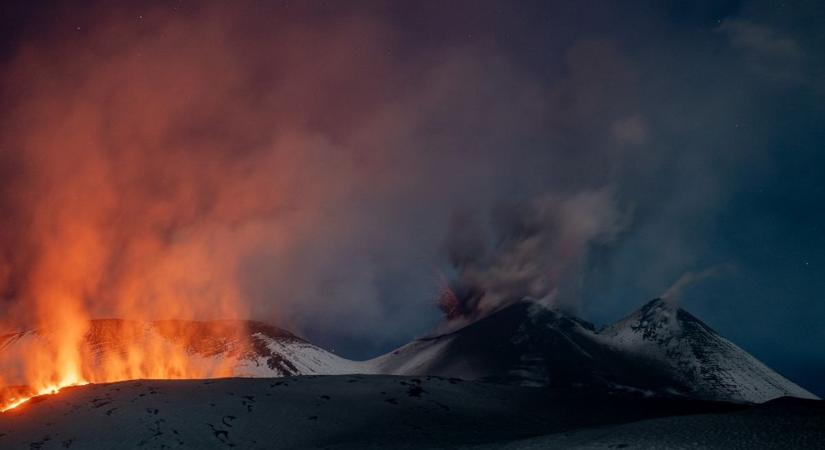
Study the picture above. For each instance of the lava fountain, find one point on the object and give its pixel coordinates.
(41, 362)
(68, 284)
(146, 166)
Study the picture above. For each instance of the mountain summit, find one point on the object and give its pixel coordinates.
(659, 349)
(697, 358)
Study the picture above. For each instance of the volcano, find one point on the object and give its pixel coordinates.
(659, 350)
(697, 359)
(524, 376)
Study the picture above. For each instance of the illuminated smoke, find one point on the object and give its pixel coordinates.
(299, 166)
(219, 163)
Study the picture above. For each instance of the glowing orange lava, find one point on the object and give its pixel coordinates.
(105, 351)
(14, 402)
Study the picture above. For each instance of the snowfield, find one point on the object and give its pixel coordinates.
(780, 424)
(371, 412)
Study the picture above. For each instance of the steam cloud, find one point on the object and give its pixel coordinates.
(690, 278)
(299, 164)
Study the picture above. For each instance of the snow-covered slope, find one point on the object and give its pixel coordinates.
(274, 354)
(381, 412)
(779, 424)
(698, 358)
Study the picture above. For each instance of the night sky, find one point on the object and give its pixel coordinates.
(324, 163)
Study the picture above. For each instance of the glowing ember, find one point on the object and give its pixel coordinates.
(14, 402)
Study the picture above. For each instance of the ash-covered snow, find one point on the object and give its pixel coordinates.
(708, 364)
(413, 358)
(659, 350)
(379, 412)
(781, 424)
(352, 411)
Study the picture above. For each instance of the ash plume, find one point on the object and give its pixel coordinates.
(535, 248)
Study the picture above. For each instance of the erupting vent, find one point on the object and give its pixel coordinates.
(117, 350)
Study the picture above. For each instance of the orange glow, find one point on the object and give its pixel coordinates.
(123, 217)
(103, 351)
(14, 402)
(147, 167)
(70, 349)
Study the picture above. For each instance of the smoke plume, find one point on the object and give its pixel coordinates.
(299, 162)
(535, 248)
(215, 162)
(674, 293)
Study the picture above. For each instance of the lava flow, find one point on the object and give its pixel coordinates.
(15, 401)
